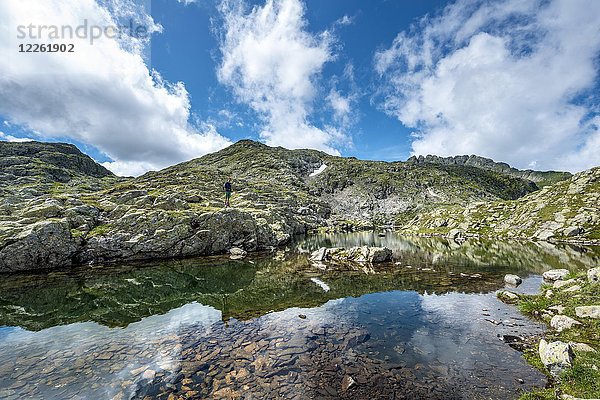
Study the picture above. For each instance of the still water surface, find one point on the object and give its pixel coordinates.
(275, 326)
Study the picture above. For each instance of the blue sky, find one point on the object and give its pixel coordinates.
(513, 80)
(188, 51)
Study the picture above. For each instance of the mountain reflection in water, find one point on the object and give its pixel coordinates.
(424, 327)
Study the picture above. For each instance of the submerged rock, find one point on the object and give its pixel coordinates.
(347, 383)
(235, 253)
(556, 356)
(508, 297)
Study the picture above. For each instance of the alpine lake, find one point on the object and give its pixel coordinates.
(276, 326)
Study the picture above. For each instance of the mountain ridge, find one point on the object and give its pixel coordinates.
(542, 178)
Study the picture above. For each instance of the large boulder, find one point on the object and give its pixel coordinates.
(588, 311)
(42, 245)
(354, 254)
(48, 209)
(556, 356)
(555, 274)
(562, 322)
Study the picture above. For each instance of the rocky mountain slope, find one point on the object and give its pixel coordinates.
(566, 210)
(540, 178)
(63, 209)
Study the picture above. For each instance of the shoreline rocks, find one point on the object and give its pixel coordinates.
(513, 280)
(556, 356)
(562, 322)
(555, 274)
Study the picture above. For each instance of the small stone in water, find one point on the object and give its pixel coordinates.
(149, 374)
(302, 316)
(347, 383)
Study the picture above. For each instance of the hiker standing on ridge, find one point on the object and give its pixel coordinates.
(228, 190)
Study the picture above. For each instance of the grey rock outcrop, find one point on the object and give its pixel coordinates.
(486, 163)
(560, 283)
(44, 244)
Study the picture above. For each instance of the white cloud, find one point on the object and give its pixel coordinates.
(272, 64)
(187, 2)
(10, 138)
(501, 79)
(339, 103)
(345, 21)
(102, 94)
(344, 106)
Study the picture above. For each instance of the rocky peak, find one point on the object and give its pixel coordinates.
(36, 161)
(541, 178)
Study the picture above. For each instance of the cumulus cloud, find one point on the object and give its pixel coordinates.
(9, 138)
(103, 94)
(511, 80)
(344, 105)
(272, 63)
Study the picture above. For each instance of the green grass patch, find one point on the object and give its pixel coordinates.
(530, 304)
(583, 380)
(99, 230)
(540, 394)
(77, 233)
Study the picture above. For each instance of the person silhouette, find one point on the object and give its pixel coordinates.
(228, 189)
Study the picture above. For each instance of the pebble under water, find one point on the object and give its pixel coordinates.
(274, 326)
